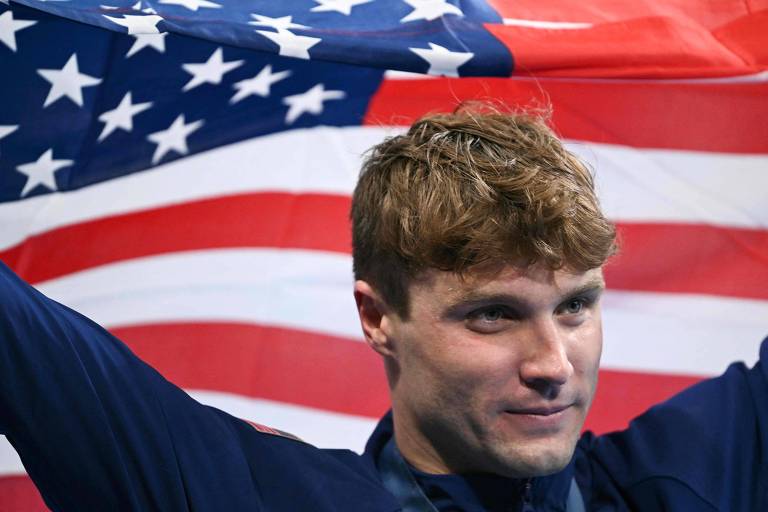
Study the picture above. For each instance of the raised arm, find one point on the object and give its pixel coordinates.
(96, 428)
(704, 449)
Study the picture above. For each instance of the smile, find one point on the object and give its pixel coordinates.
(540, 411)
(541, 419)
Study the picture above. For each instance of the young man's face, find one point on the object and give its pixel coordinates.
(496, 373)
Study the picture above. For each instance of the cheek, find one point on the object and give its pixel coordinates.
(586, 349)
(595, 342)
(458, 366)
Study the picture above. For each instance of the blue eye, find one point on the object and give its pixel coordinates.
(489, 320)
(491, 315)
(575, 306)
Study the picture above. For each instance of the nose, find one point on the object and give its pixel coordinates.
(546, 366)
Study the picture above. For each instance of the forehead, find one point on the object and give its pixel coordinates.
(535, 283)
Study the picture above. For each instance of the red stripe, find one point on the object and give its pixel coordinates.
(690, 258)
(622, 396)
(285, 365)
(596, 11)
(19, 494)
(681, 38)
(722, 117)
(683, 258)
(307, 221)
(330, 373)
(658, 48)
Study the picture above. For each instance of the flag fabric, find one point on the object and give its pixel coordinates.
(181, 170)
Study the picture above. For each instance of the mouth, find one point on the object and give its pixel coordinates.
(540, 411)
(541, 420)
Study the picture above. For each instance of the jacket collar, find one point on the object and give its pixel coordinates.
(545, 493)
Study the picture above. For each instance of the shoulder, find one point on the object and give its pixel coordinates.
(295, 475)
(708, 443)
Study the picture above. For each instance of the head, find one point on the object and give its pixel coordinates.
(478, 244)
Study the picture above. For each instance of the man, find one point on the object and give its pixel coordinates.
(478, 247)
(479, 282)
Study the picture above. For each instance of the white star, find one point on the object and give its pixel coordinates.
(148, 10)
(211, 72)
(41, 172)
(67, 81)
(310, 101)
(441, 60)
(174, 138)
(9, 27)
(138, 24)
(259, 84)
(192, 5)
(7, 129)
(122, 116)
(290, 44)
(342, 6)
(276, 23)
(430, 10)
(156, 41)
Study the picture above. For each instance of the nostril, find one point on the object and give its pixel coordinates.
(544, 387)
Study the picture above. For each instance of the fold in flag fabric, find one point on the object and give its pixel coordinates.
(180, 171)
(468, 38)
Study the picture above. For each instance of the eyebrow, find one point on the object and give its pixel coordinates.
(474, 299)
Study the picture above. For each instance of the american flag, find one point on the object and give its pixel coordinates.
(180, 171)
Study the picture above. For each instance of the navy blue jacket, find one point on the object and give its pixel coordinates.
(98, 429)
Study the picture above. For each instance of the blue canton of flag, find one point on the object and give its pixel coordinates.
(94, 104)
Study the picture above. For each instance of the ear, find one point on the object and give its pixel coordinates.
(375, 318)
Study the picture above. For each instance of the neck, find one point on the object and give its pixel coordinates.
(419, 450)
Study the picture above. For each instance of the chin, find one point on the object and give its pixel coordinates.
(533, 461)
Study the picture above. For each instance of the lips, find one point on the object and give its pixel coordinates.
(544, 420)
(548, 410)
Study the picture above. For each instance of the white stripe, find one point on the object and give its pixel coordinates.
(396, 74)
(312, 291)
(10, 463)
(670, 186)
(323, 160)
(679, 186)
(680, 333)
(323, 429)
(759, 77)
(305, 290)
(547, 25)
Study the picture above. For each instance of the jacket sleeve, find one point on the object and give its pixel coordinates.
(97, 429)
(704, 449)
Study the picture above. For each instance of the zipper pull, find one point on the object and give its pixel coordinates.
(528, 497)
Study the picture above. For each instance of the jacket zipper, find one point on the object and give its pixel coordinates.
(528, 497)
